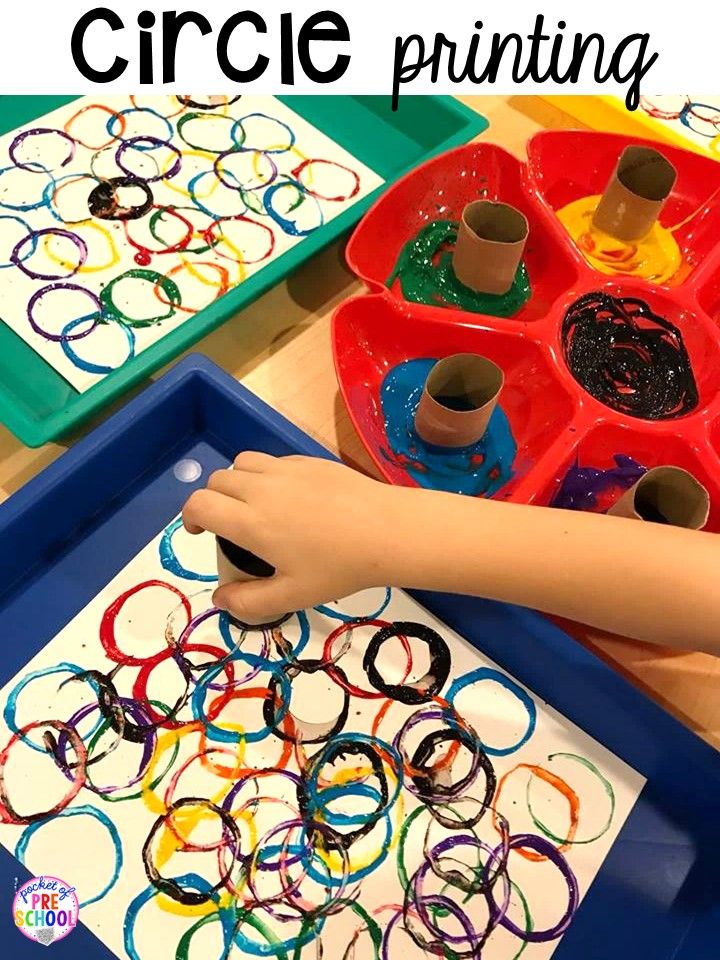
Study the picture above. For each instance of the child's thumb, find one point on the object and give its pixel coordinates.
(254, 601)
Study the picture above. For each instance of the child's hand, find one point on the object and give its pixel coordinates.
(324, 527)
(330, 532)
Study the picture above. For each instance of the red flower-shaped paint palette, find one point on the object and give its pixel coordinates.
(555, 420)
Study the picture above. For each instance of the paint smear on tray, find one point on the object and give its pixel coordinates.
(482, 469)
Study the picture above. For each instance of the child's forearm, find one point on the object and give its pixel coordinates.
(609, 572)
(329, 531)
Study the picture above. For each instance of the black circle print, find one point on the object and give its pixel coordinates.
(628, 357)
(216, 103)
(422, 690)
(103, 202)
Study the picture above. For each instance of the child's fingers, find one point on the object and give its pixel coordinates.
(301, 460)
(233, 483)
(221, 515)
(252, 461)
(256, 601)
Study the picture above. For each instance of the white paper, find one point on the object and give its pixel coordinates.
(694, 117)
(79, 850)
(197, 244)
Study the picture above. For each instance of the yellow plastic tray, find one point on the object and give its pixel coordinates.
(610, 114)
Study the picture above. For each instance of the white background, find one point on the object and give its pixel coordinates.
(35, 43)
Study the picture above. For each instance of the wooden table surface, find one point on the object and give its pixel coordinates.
(280, 348)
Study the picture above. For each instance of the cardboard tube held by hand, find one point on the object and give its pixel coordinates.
(237, 565)
(666, 495)
(458, 399)
(635, 195)
(490, 242)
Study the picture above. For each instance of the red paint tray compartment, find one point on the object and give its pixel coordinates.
(555, 422)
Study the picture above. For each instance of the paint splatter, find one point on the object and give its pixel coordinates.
(657, 257)
(595, 489)
(628, 357)
(482, 469)
(424, 269)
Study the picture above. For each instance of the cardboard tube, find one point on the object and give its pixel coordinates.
(458, 399)
(635, 195)
(666, 495)
(490, 242)
(237, 565)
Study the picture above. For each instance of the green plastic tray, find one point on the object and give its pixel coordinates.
(38, 405)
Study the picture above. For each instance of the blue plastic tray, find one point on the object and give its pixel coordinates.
(72, 528)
